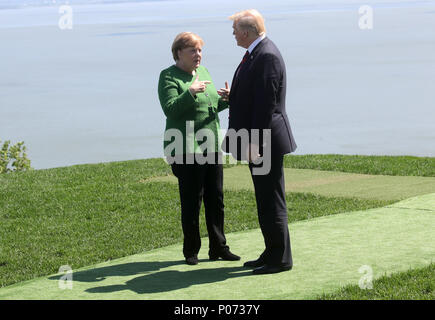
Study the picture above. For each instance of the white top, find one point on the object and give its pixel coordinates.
(257, 41)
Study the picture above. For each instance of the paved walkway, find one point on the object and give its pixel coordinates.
(334, 184)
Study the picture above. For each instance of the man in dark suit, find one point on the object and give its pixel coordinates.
(257, 105)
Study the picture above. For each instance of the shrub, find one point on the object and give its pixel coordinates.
(16, 154)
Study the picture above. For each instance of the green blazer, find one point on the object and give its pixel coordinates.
(189, 114)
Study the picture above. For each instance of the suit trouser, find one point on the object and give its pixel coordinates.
(199, 182)
(272, 213)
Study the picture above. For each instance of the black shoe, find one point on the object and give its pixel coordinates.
(254, 263)
(271, 269)
(225, 255)
(192, 260)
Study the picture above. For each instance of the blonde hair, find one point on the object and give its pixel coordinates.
(184, 40)
(250, 20)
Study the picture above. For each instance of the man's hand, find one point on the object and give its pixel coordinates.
(198, 86)
(224, 92)
(253, 152)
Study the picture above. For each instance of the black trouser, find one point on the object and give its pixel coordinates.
(272, 213)
(197, 182)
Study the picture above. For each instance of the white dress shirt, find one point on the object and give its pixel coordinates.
(256, 41)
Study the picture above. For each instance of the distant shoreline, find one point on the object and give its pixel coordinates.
(404, 165)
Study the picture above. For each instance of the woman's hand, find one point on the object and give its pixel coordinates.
(224, 92)
(198, 86)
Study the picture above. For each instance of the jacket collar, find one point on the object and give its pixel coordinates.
(258, 47)
(255, 43)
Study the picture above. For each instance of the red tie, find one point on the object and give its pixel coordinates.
(245, 57)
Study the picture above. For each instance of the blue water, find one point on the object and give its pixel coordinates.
(44, 12)
(20, 4)
(89, 94)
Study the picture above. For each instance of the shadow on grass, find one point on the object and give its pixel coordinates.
(162, 281)
(170, 280)
(126, 269)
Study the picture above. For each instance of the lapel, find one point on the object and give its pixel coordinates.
(247, 63)
(258, 48)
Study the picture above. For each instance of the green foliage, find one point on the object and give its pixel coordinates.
(16, 154)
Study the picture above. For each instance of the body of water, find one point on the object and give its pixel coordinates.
(89, 94)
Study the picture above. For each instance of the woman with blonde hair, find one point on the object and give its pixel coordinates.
(191, 102)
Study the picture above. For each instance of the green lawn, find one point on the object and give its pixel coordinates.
(332, 183)
(385, 165)
(415, 284)
(328, 253)
(86, 214)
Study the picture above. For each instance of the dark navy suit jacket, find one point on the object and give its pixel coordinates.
(257, 99)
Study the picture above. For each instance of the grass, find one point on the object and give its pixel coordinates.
(81, 215)
(97, 223)
(328, 253)
(385, 165)
(416, 284)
